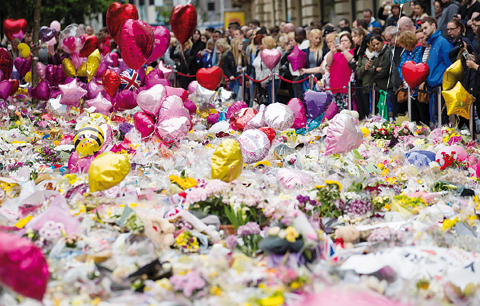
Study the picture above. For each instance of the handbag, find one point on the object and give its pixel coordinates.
(402, 94)
(423, 95)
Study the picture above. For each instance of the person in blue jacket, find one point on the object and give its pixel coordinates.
(372, 22)
(437, 60)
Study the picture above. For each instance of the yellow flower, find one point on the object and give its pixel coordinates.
(387, 207)
(380, 165)
(295, 285)
(390, 180)
(72, 178)
(449, 223)
(292, 234)
(329, 182)
(319, 186)
(215, 290)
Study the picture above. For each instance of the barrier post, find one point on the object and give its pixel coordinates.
(373, 99)
(174, 76)
(409, 104)
(273, 87)
(311, 80)
(350, 95)
(472, 122)
(440, 106)
(243, 86)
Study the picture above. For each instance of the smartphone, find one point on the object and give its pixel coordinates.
(466, 55)
(337, 41)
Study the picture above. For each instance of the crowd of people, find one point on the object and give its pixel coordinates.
(368, 53)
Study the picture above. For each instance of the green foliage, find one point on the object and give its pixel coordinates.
(65, 11)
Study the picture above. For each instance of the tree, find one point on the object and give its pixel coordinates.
(65, 11)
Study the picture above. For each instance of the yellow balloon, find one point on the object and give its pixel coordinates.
(107, 170)
(227, 161)
(365, 131)
(452, 75)
(149, 68)
(69, 68)
(89, 140)
(28, 77)
(82, 70)
(24, 50)
(93, 62)
(458, 101)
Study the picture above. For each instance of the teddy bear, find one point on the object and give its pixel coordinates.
(157, 229)
(345, 236)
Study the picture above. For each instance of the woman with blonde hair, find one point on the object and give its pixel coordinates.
(227, 62)
(314, 55)
(262, 71)
(240, 62)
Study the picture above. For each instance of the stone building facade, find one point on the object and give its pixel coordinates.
(302, 12)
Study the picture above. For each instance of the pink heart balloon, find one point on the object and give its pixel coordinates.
(151, 100)
(343, 135)
(125, 99)
(23, 66)
(300, 115)
(235, 107)
(93, 89)
(5, 88)
(162, 41)
(297, 58)
(182, 93)
(60, 76)
(144, 124)
(41, 70)
(155, 76)
(135, 40)
(191, 107)
(270, 57)
(331, 111)
(172, 107)
(174, 129)
(166, 71)
(258, 120)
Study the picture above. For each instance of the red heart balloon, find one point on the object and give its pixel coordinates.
(117, 14)
(110, 82)
(270, 133)
(243, 116)
(183, 21)
(14, 87)
(209, 78)
(15, 28)
(91, 44)
(144, 124)
(135, 40)
(415, 74)
(6, 63)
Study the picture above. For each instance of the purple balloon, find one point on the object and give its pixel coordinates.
(125, 99)
(107, 59)
(153, 78)
(191, 107)
(47, 33)
(114, 56)
(331, 111)
(162, 41)
(213, 118)
(54, 92)
(68, 80)
(142, 74)
(115, 69)
(50, 74)
(235, 107)
(122, 65)
(93, 89)
(317, 102)
(101, 69)
(5, 87)
(297, 58)
(42, 91)
(60, 76)
(23, 66)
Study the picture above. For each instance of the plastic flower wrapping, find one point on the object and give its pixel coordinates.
(116, 206)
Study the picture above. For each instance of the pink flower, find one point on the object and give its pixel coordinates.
(196, 195)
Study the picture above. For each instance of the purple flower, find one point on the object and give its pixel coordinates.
(188, 283)
(125, 128)
(231, 242)
(251, 228)
(359, 208)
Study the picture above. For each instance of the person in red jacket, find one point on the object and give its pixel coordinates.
(105, 41)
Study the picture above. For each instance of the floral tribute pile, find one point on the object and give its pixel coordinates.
(373, 213)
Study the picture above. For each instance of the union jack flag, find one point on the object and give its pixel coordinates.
(130, 80)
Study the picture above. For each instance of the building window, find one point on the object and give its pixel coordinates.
(152, 2)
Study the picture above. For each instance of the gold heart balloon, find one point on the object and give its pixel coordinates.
(452, 75)
(82, 70)
(69, 68)
(93, 62)
(458, 101)
(227, 161)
